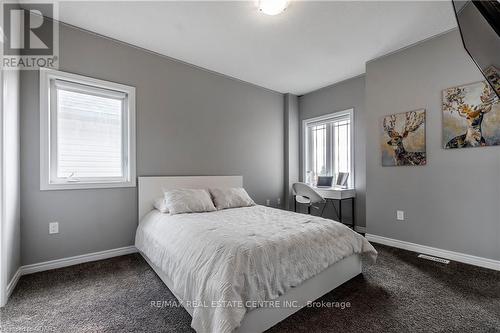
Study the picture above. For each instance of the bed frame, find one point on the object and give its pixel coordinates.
(260, 319)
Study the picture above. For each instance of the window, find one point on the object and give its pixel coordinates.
(328, 146)
(87, 132)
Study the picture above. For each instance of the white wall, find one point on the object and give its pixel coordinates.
(10, 205)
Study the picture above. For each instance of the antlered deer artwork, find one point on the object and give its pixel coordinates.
(403, 140)
(471, 116)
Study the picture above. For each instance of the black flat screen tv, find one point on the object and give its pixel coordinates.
(479, 24)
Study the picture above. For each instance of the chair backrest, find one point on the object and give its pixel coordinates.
(304, 190)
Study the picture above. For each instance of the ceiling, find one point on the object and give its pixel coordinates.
(309, 46)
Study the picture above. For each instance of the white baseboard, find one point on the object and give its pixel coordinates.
(451, 255)
(70, 261)
(65, 262)
(12, 284)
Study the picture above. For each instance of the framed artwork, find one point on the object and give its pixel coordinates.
(471, 116)
(403, 139)
(493, 75)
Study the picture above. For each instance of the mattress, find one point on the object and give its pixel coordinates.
(225, 263)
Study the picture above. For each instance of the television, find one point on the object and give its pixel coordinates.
(479, 24)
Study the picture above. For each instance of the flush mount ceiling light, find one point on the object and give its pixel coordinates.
(272, 7)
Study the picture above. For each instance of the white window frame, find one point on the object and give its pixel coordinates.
(48, 180)
(331, 116)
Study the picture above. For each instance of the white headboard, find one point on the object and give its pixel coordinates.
(151, 188)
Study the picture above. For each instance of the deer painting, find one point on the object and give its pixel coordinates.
(463, 102)
(402, 154)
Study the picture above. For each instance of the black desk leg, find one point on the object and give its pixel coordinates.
(353, 214)
(340, 211)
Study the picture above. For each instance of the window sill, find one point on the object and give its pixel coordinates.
(85, 185)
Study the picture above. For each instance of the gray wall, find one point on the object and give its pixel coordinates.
(10, 177)
(453, 202)
(342, 96)
(189, 122)
(291, 149)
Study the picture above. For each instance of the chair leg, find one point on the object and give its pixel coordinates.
(335, 208)
(309, 209)
(295, 203)
(322, 210)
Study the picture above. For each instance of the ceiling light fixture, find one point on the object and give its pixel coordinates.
(272, 7)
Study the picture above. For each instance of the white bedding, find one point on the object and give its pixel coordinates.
(238, 255)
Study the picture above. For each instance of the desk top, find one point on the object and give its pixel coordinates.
(336, 192)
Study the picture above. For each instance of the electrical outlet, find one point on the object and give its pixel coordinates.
(278, 202)
(53, 227)
(268, 202)
(400, 215)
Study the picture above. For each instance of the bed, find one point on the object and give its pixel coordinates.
(243, 269)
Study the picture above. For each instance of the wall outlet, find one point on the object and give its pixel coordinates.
(400, 215)
(278, 202)
(268, 202)
(53, 227)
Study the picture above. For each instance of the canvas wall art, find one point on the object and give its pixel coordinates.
(493, 75)
(471, 116)
(403, 139)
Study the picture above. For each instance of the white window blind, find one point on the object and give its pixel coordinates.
(328, 146)
(89, 137)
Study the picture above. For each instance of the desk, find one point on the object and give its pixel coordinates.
(336, 193)
(339, 194)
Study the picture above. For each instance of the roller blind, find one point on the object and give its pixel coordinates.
(89, 142)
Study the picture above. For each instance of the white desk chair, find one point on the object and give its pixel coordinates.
(305, 194)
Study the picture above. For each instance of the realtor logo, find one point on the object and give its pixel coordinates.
(30, 36)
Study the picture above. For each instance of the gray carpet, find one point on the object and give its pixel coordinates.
(401, 293)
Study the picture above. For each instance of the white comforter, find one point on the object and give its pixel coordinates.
(242, 254)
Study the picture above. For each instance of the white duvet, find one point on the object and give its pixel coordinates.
(235, 256)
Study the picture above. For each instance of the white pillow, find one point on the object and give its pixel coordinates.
(161, 205)
(188, 201)
(231, 198)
